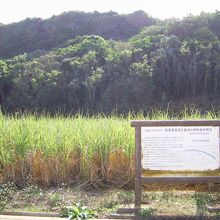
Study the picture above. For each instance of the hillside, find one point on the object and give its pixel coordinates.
(171, 63)
(36, 34)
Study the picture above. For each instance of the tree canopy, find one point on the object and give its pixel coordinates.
(108, 63)
(37, 34)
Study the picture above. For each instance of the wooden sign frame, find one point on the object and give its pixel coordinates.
(139, 179)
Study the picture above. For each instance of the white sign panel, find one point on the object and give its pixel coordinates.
(180, 148)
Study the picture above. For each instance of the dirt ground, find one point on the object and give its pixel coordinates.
(165, 202)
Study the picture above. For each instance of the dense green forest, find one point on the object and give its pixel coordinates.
(38, 34)
(100, 62)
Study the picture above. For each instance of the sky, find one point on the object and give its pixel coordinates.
(16, 10)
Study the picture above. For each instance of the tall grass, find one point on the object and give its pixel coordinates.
(55, 150)
(58, 150)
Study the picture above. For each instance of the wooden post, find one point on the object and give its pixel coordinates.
(137, 167)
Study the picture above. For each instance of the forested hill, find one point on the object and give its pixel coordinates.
(34, 34)
(173, 61)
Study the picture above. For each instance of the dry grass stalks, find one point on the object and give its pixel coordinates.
(119, 169)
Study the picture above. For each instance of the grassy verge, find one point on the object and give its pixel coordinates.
(104, 202)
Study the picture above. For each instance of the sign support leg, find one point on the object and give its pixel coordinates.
(137, 167)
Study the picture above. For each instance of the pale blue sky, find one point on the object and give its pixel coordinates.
(15, 10)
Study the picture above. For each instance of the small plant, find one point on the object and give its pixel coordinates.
(126, 197)
(167, 196)
(55, 200)
(111, 204)
(6, 194)
(33, 190)
(78, 212)
(148, 212)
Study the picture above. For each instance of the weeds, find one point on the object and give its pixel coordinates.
(33, 190)
(6, 195)
(146, 213)
(78, 212)
(55, 200)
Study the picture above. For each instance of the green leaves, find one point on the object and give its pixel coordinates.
(3, 69)
(173, 60)
(146, 213)
(78, 211)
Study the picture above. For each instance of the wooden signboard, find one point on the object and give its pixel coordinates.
(183, 146)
